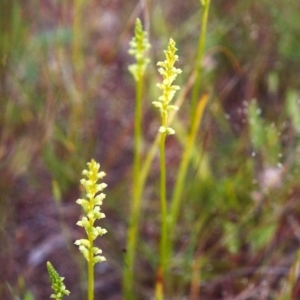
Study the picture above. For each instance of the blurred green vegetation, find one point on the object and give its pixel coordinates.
(67, 96)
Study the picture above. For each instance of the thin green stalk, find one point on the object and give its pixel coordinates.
(177, 193)
(169, 73)
(91, 274)
(136, 197)
(163, 201)
(137, 134)
(138, 47)
(152, 151)
(161, 273)
(196, 116)
(200, 55)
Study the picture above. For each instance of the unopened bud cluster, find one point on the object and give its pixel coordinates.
(56, 283)
(138, 47)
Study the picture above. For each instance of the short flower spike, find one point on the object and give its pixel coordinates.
(92, 208)
(56, 283)
(138, 48)
(169, 73)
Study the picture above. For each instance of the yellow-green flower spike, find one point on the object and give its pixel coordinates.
(169, 73)
(56, 283)
(92, 208)
(138, 48)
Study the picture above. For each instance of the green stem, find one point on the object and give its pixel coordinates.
(200, 54)
(137, 137)
(190, 141)
(90, 280)
(136, 197)
(90, 271)
(145, 167)
(195, 121)
(163, 202)
(196, 116)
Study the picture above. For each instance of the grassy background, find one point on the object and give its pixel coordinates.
(67, 96)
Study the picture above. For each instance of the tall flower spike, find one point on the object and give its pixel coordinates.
(169, 73)
(56, 283)
(138, 48)
(92, 207)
